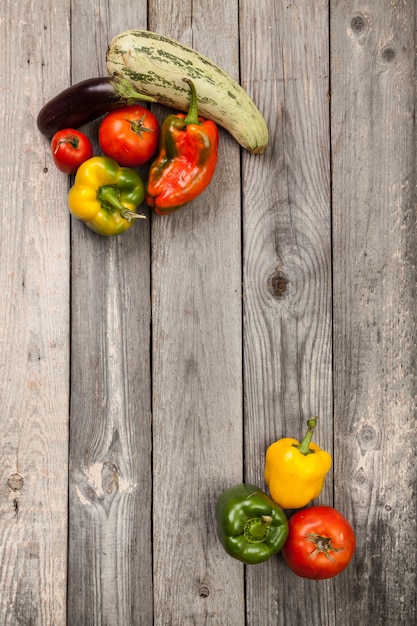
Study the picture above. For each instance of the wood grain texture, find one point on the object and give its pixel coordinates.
(110, 542)
(197, 363)
(34, 322)
(374, 157)
(287, 269)
(182, 348)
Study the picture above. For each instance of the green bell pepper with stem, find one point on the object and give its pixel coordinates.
(250, 526)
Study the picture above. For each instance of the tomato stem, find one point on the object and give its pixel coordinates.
(138, 127)
(323, 546)
(71, 139)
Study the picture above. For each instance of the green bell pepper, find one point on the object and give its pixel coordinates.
(250, 526)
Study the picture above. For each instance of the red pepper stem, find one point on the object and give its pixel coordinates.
(192, 115)
(304, 446)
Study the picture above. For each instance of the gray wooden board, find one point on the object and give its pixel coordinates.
(34, 314)
(110, 540)
(142, 375)
(374, 237)
(287, 268)
(197, 361)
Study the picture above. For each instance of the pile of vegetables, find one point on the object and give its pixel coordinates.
(183, 152)
(317, 542)
(108, 190)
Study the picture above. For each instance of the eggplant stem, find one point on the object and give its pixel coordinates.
(126, 90)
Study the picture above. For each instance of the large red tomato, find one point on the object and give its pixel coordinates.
(320, 543)
(70, 148)
(129, 135)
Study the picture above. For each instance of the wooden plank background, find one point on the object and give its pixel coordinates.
(144, 374)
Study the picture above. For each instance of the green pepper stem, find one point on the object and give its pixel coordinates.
(304, 446)
(192, 115)
(257, 529)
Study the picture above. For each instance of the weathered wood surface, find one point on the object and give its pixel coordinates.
(35, 318)
(375, 332)
(143, 375)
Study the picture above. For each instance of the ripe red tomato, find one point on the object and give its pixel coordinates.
(320, 543)
(129, 135)
(70, 148)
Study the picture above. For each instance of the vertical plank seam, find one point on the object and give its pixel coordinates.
(242, 305)
(70, 327)
(329, 95)
(331, 226)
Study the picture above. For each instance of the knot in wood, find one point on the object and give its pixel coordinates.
(277, 284)
(15, 482)
(367, 438)
(388, 54)
(204, 591)
(110, 477)
(361, 478)
(358, 24)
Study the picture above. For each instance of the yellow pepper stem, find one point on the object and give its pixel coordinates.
(108, 195)
(304, 446)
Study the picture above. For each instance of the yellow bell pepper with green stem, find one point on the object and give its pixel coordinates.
(105, 196)
(295, 472)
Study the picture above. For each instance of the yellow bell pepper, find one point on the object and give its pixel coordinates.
(295, 472)
(105, 196)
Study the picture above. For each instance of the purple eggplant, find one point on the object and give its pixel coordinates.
(86, 101)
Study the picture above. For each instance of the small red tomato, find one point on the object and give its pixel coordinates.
(70, 148)
(320, 543)
(129, 135)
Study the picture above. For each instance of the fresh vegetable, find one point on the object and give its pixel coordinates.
(130, 135)
(70, 148)
(321, 543)
(250, 526)
(295, 472)
(85, 101)
(156, 65)
(186, 160)
(105, 196)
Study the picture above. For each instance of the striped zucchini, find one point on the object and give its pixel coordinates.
(156, 66)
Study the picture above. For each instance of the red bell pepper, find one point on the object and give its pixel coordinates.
(186, 160)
